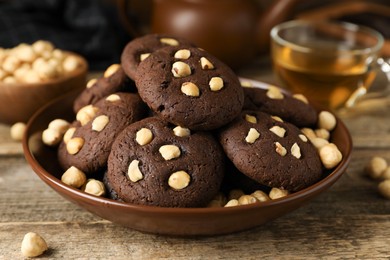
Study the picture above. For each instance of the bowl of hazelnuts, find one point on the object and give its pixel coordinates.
(32, 75)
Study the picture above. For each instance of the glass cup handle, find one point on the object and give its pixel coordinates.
(383, 66)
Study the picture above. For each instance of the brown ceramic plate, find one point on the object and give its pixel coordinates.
(167, 221)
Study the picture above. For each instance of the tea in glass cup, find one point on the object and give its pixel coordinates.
(332, 63)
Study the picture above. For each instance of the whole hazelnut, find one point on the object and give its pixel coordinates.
(375, 167)
(33, 245)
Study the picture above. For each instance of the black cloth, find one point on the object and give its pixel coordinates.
(89, 27)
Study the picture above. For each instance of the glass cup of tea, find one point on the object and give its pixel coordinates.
(332, 63)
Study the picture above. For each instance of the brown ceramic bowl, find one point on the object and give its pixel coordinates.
(167, 221)
(19, 101)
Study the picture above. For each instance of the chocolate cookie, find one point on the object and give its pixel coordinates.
(114, 80)
(140, 48)
(274, 153)
(294, 109)
(155, 163)
(189, 87)
(87, 147)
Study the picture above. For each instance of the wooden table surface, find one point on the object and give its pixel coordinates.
(350, 220)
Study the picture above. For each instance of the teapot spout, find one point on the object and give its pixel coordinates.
(278, 12)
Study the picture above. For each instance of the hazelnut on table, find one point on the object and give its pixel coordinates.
(33, 245)
(375, 167)
(17, 131)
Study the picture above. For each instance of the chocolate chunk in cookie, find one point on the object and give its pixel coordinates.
(273, 153)
(87, 143)
(140, 48)
(114, 80)
(155, 163)
(189, 87)
(294, 109)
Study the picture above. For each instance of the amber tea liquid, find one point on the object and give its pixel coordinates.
(324, 77)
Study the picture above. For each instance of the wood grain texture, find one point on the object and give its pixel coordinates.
(350, 220)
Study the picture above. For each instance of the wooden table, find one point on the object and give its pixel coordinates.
(350, 220)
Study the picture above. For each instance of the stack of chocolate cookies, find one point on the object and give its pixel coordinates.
(172, 126)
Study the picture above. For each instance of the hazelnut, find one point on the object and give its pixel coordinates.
(301, 98)
(46, 55)
(216, 83)
(276, 193)
(384, 189)
(99, 123)
(33, 245)
(169, 152)
(246, 199)
(250, 119)
(20, 72)
(74, 145)
(94, 187)
(303, 138)
(322, 133)
(309, 133)
(46, 71)
(143, 136)
(25, 53)
(74, 177)
(180, 69)
(59, 125)
(69, 134)
(111, 70)
(296, 151)
(280, 149)
(190, 89)
(113, 98)
(274, 93)
(260, 196)
(276, 118)
(206, 64)
(31, 76)
(179, 180)
(169, 41)
(143, 56)
(181, 131)
(375, 167)
(279, 131)
(182, 54)
(42, 46)
(51, 137)
(232, 203)
(10, 64)
(91, 83)
(58, 54)
(319, 142)
(330, 155)
(58, 65)
(252, 136)
(326, 120)
(38, 63)
(133, 172)
(85, 114)
(17, 131)
(9, 80)
(70, 63)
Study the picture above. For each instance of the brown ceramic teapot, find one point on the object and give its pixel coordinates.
(233, 30)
